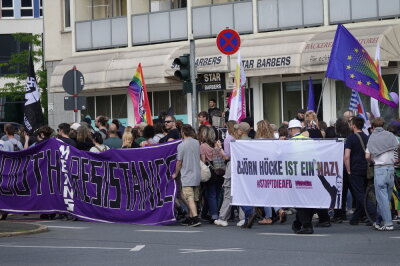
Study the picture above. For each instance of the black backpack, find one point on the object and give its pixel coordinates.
(16, 148)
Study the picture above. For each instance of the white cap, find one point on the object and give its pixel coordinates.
(294, 124)
(75, 126)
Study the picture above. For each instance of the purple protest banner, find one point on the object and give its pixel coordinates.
(125, 185)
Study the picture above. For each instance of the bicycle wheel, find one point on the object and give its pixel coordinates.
(370, 203)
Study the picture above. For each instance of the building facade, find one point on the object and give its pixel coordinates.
(16, 16)
(283, 44)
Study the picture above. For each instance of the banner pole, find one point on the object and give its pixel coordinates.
(322, 93)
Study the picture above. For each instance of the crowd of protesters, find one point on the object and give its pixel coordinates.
(209, 199)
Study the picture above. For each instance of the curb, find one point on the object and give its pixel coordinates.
(41, 229)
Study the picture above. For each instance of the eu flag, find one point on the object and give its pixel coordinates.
(351, 63)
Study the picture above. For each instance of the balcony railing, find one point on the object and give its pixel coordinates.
(101, 33)
(161, 26)
(284, 14)
(209, 20)
(355, 10)
(171, 25)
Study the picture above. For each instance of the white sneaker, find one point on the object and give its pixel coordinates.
(240, 223)
(386, 228)
(376, 226)
(221, 222)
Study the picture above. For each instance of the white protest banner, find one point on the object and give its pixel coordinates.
(284, 173)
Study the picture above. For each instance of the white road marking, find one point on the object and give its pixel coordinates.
(186, 251)
(137, 248)
(397, 237)
(288, 234)
(168, 231)
(66, 227)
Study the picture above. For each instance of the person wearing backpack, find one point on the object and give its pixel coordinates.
(12, 144)
(98, 143)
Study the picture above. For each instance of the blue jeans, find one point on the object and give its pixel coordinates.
(248, 210)
(384, 182)
(213, 191)
(268, 211)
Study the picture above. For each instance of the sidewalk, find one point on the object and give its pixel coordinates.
(14, 228)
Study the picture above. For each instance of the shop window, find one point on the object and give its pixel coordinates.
(90, 103)
(219, 96)
(7, 8)
(103, 106)
(179, 102)
(119, 106)
(291, 99)
(160, 102)
(26, 8)
(272, 102)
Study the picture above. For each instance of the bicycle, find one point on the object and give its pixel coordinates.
(370, 198)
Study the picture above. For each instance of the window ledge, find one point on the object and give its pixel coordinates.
(66, 30)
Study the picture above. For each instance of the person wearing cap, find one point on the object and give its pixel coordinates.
(242, 132)
(300, 114)
(303, 222)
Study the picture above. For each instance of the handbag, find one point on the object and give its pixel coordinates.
(205, 172)
(370, 169)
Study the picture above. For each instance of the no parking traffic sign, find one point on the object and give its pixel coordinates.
(228, 41)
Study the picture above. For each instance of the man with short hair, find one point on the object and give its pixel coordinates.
(356, 166)
(213, 110)
(202, 117)
(188, 165)
(113, 141)
(173, 132)
(12, 144)
(348, 115)
(63, 134)
(381, 147)
(101, 124)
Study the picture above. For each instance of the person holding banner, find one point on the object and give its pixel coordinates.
(188, 165)
(173, 132)
(303, 222)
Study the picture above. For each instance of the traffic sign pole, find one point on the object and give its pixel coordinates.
(75, 97)
(193, 81)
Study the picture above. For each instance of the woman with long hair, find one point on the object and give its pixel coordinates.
(210, 154)
(98, 143)
(265, 131)
(83, 139)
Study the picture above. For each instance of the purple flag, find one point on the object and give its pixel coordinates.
(310, 100)
(126, 186)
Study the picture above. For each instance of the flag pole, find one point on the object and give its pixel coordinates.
(322, 93)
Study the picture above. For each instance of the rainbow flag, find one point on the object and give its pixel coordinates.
(351, 63)
(137, 91)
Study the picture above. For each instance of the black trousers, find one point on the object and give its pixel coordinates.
(304, 218)
(358, 185)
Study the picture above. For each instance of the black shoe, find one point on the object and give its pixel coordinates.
(324, 224)
(195, 221)
(337, 220)
(295, 227)
(187, 221)
(305, 231)
(3, 216)
(368, 223)
(244, 226)
(250, 222)
(354, 222)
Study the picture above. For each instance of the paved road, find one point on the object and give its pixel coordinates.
(84, 243)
